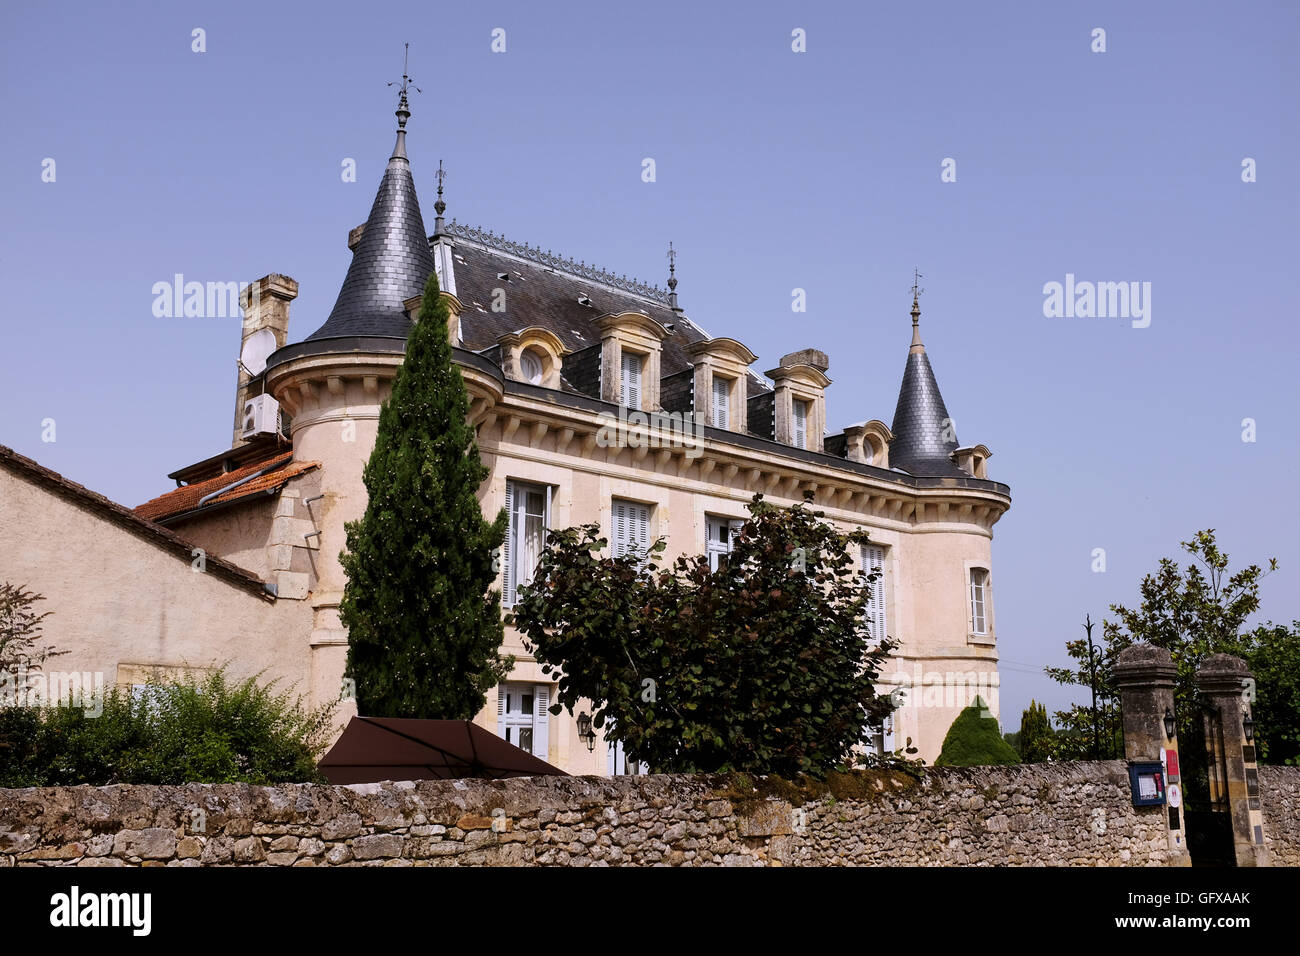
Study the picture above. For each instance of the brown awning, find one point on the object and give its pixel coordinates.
(372, 749)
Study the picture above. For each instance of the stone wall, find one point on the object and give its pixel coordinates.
(1279, 793)
(1046, 814)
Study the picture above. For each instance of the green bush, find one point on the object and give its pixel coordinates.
(975, 741)
(207, 730)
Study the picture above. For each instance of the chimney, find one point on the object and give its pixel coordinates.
(266, 306)
(354, 237)
(814, 357)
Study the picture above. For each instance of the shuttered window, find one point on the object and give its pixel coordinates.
(721, 531)
(800, 424)
(632, 380)
(630, 531)
(873, 558)
(523, 718)
(979, 597)
(528, 515)
(721, 402)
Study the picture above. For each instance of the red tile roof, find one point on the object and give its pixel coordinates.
(186, 498)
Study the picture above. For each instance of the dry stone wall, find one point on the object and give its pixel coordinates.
(1046, 814)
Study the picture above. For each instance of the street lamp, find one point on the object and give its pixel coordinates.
(585, 732)
(1248, 727)
(1171, 727)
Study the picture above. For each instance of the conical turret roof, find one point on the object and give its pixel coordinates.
(924, 433)
(392, 262)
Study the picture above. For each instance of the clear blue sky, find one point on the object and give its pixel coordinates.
(775, 170)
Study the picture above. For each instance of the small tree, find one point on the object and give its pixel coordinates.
(974, 740)
(424, 622)
(765, 665)
(20, 629)
(1035, 742)
(1191, 613)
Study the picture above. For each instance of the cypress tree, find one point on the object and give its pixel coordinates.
(1036, 737)
(423, 618)
(975, 741)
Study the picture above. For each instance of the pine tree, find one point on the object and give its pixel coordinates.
(424, 621)
(973, 740)
(1036, 737)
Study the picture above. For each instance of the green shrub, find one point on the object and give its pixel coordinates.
(975, 741)
(206, 730)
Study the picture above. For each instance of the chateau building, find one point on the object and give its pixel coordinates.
(596, 398)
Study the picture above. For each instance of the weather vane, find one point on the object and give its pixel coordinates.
(405, 79)
(916, 284)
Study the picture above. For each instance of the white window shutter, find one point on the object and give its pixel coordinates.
(508, 549)
(642, 527)
(631, 380)
(618, 528)
(541, 721)
(872, 558)
(800, 424)
(888, 735)
(501, 711)
(721, 403)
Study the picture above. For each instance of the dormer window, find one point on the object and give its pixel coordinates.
(633, 365)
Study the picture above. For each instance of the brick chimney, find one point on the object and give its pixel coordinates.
(266, 306)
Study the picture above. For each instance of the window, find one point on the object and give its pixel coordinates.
(721, 531)
(530, 367)
(979, 601)
(528, 514)
(873, 558)
(632, 364)
(880, 737)
(617, 764)
(800, 423)
(523, 718)
(721, 402)
(630, 531)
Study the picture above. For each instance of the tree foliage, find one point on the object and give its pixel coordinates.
(424, 622)
(1035, 742)
(1192, 612)
(765, 665)
(20, 629)
(196, 730)
(974, 740)
(1274, 659)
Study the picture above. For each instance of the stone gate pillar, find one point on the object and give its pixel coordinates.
(1145, 675)
(1234, 777)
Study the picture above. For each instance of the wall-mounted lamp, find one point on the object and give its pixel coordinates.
(1171, 727)
(1248, 727)
(585, 732)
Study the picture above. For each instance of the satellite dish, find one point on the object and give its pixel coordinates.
(257, 348)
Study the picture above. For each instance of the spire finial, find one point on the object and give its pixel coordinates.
(917, 292)
(403, 107)
(672, 277)
(439, 207)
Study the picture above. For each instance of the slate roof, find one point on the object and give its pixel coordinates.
(186, 499)
(920, 421)
(390, 264)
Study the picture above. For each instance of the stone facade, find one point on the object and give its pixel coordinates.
(1077, 814)
(1279, 792)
